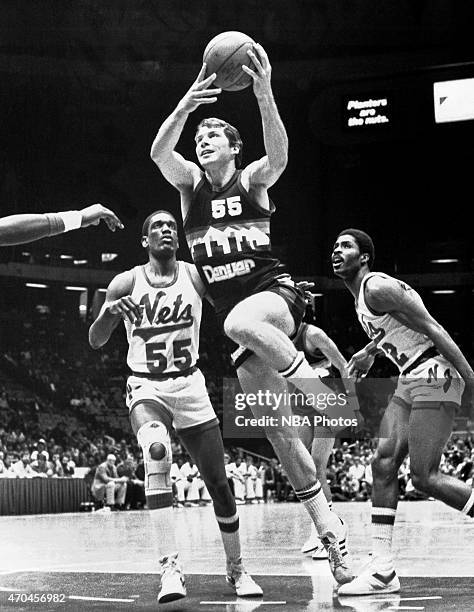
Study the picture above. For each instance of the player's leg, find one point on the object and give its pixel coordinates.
(255, 376)
(204, 443)
(391, 450)
(430, 429)
(436, 389)
(321, 448)
(263, 323)
(150, 423)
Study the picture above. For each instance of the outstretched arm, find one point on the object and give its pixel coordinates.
(177, 170)
(19, 229)
(118, 305)
(267, 170)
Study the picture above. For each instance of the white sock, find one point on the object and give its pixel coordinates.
(383, 520)
(303, 376)
(229, 528)
(316, 504)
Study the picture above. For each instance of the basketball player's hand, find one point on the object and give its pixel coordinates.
(360, 363)
(262, 73)
(92, 215)
(199, 92)
(127, 308)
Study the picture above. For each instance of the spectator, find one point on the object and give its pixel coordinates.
(22, 468)
(42, 466)
(68, 466)
(238, 472)
(251, 481)
(108, 484)
(40, 448)
(135, 494)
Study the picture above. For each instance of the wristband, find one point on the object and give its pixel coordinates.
(72, 219)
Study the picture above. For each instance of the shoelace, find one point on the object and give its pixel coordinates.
(335, 555)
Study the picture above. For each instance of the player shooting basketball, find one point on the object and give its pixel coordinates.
(226, 213)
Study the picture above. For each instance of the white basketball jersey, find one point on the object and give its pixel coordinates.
(166, 341)
(400, 344)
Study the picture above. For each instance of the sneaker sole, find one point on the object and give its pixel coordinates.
(171, 597)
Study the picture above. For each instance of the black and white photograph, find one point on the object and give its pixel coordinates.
(236, 306)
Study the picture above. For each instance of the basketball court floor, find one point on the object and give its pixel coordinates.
(94, 561)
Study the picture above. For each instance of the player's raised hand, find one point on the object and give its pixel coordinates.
(199, 92)
(92, 215)
(262, 73)
(127, 308)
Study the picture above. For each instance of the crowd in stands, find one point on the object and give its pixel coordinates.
(62, 414)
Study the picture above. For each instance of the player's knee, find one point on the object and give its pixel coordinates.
(157, 451)
(154, 440)
(423, 480)
(237, 328)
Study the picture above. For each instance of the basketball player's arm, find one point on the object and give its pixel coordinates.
(19, 229)
(389, 295)
(118, 304)
(180, 172)
(316, 338)
(266, 171)
(361, 362)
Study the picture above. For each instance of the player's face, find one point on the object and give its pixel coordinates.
(213, 147)
(162, 236)
(345, 257)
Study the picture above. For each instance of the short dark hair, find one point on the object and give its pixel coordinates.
(146, 223)
(364, 242)
(230, 131)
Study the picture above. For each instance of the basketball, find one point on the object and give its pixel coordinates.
(225, 54)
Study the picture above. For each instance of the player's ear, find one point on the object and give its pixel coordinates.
(144, 242)
(235, 149)
(365, 258)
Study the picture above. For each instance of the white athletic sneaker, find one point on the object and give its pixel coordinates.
(371, 581)
(242, 583)
(320, 552)
(312, 542)
(173, 585)
(338, 555)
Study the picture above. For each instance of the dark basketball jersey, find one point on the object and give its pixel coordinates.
(228, 235)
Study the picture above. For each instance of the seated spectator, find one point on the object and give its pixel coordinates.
(194, 487)
(40, 447)
(68, 466)
(238, 473)
(269, 483)
(42, 466)
(135, 494)
(22, 468)
(228, 471)
(107, 484)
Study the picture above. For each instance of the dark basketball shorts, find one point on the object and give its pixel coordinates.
(295, 300)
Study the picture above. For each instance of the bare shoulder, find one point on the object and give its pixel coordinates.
(121, 285)
(194, 276)
(381, 292)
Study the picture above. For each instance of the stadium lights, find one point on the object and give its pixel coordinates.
(106, 257)
(102, 290)
(80, 262)
(317, 294)
(444, 261)
(36, 285)
(73, 288)
(66, 257)
(26, 254)
(443, 291)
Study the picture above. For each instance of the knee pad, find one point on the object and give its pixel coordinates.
(157, 473)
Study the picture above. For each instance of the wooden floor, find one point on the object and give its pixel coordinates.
(109, 561)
